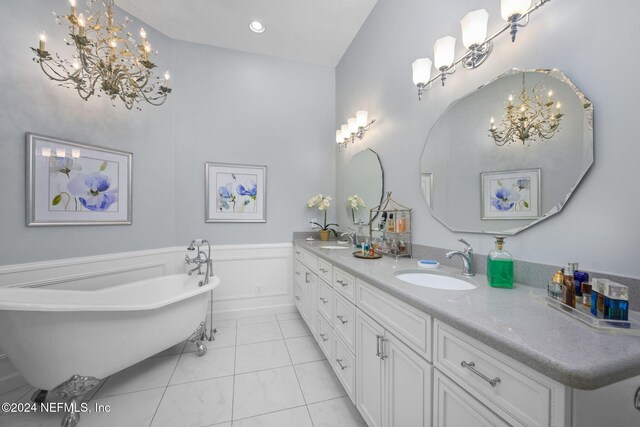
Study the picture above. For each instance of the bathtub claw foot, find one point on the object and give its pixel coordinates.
(73, 389)
(197, 337)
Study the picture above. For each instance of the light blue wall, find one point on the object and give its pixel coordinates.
(599, 226)
(227, 106)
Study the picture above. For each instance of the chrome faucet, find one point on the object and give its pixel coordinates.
(199, 259)
(353, 236)
(467, 258)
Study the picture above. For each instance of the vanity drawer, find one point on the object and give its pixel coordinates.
(344, 321)
(325, 270)
(344, 283)
(326, 300)
(344, 365)
(298, 292)
(513, 391)
(406, 322)
(325, 337)
(310, 260)
(298, 253)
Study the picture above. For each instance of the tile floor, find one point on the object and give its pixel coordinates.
(259, 372)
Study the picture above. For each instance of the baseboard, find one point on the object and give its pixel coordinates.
(256, 311)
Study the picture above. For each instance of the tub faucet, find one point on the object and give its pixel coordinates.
(199, 259)
(467, 258)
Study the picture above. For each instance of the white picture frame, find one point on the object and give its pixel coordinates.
(511, 195)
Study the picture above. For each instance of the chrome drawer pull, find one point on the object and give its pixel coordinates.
(341, 317)
(472, 367)
(324, 270)
(382, 355)
(324, 337)
(341, 365)
(306, 277)
(342, 283)
(378, 345)
(637, 399)
(324, 300)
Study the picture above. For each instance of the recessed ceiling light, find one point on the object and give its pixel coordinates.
(257, 27)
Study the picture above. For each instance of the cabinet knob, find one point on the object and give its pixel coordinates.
(472, 367)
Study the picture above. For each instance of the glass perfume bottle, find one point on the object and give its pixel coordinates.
(500, 266)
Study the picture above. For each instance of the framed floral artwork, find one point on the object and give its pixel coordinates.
(76, 184)
(511, 194)
(235, 193)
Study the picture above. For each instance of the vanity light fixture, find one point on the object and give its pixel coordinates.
(534, 118)
(106, 59)
(354, 129)
(474, 38)
(257, 27)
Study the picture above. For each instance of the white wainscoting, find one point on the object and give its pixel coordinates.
(255, 280)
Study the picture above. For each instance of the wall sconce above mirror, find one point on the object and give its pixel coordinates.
(354, 129)
(472, 184)
(474, 38)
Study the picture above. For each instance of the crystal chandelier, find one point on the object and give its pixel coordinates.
(106, 59)
(534, 119)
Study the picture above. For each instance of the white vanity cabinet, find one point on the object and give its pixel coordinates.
(393, 382)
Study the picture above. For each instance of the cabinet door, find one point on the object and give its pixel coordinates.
(310, 307)
(370, 367)
(408, 385)
(454, 407)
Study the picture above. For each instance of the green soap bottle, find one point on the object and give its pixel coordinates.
(500, 266)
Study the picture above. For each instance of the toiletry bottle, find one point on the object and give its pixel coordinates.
(616, 301)
(579, 277)
(382, 226)
(597, 296)
(586, 294)
(569, 288)
(500, 266)
(400, 223)
(391, 224)
(554, 288)
(371, 250)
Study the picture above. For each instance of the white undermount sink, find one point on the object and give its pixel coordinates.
(335, 247)
(435, 281)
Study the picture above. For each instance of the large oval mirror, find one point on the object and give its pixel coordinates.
(365, 179)
(509, 154)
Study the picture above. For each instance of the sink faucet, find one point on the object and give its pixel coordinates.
(467, 258)
(353, 236)
(199, 259)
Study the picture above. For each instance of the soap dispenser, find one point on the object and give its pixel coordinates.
(500, 266)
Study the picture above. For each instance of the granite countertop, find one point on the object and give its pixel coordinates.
(516, 322)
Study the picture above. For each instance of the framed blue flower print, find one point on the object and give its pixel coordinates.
(69, 183)
(235, 193)
(511, 194)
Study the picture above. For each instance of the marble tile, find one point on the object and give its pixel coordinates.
(125, 410)
(260, 332)
(15, 394)
(296, 417)
(150, 373)
(261, 392)
(304, 349)
(214, 364)
(196, 404)
(31, 419)
(294, 328)
(318, 382)
(288, 316)
(217, 323)
(257, 319)
(225, 337)
(266, 355)
(176, 349)
(336, 413)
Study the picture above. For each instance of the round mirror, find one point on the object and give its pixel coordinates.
(365, 179)
(509, 154)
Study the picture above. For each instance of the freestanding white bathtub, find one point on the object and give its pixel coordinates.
(51, 335)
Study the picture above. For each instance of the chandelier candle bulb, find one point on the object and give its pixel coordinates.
(43, 41)
(73, 5)
(81, 24)
(143, 35)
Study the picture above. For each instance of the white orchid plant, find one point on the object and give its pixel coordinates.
(323, 203)
(355, 202)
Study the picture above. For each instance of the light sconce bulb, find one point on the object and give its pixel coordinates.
(143, 34)
(61, 152)
(474, 28)
(510, 99)
(147, 47)
(167, 76)
(339, 138)
(558, 105)
(444, 51)
(362, 118)
(353, 127)
(75, 153)
(46, 151)
(344, 130)
(113, 43)
(511, 8)
(421, 71)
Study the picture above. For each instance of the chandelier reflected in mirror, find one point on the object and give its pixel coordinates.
(533, 119)
(106, 58)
